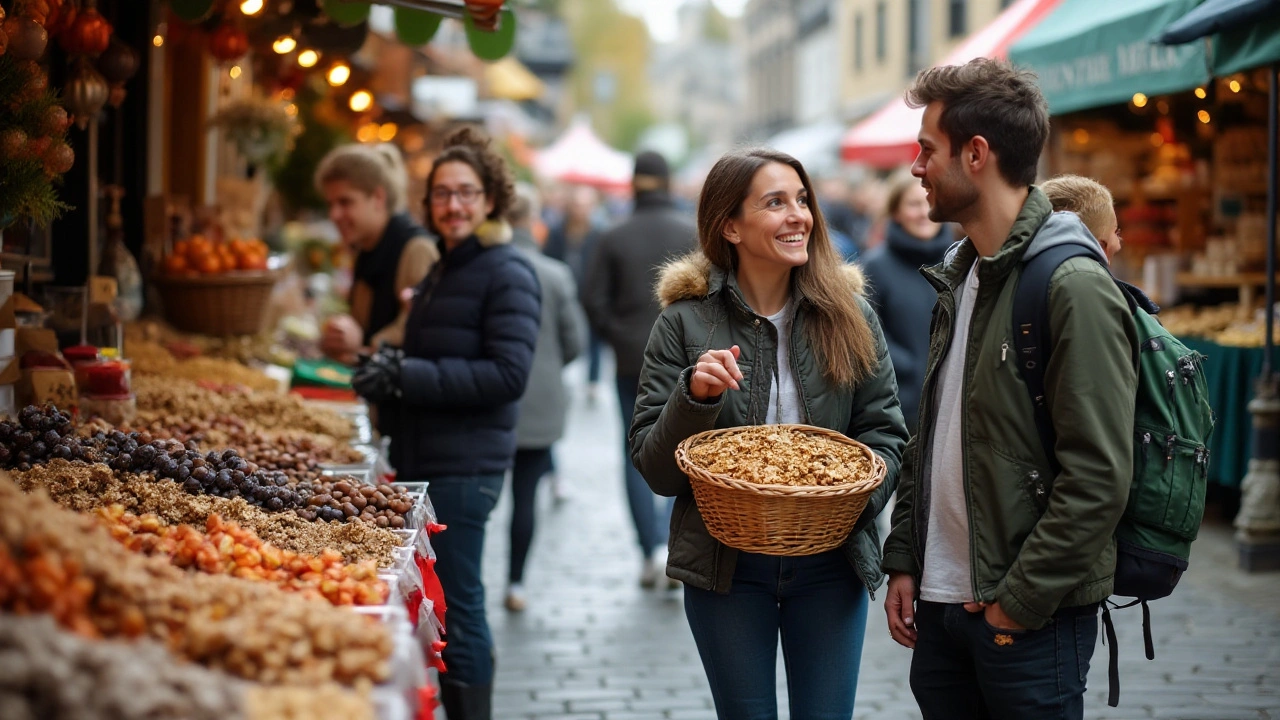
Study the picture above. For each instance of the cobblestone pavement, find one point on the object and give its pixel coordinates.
(593, 646)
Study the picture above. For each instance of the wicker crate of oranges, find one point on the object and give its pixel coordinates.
(200, 255)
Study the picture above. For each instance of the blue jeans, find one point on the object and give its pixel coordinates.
(965, 669)
(817, 604)
(652, 525)
(463, 503)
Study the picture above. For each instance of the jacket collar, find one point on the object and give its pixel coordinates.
(491, 233)
(915, 251)
(694, 277)
(951, 273)
(653, 200)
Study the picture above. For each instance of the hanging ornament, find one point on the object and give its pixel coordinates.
(492, 45)
(58, 159)
(193, 11)
(61, 14)
(86, 92)
(90, 34)
(229, 42)
(118, 64)
(55, 121)
(13, 142)
(37, 10)
(484, 13)
(27, 39)
(346, 13)
(416, 27)
(37, 85)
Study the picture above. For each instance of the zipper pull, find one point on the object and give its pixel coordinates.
(1168, 448)
(1004, 351)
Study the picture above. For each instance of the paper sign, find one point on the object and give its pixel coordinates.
(53, 386)
(102, 290)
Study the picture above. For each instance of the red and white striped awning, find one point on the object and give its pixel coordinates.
(887, 138)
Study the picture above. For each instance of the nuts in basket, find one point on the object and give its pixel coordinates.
(782, 455)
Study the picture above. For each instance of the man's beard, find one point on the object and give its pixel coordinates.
(954, 197)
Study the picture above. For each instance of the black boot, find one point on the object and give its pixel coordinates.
(466, 702)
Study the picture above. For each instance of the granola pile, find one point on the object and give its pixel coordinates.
(776, 455)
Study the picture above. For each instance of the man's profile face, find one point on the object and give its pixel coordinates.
(951, 193)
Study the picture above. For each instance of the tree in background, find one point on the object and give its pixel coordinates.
(609, 79)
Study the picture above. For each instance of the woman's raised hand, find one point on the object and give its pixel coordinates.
(716, 371)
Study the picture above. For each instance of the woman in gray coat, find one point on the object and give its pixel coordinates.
(561, 338)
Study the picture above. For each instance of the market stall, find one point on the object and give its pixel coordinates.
(1176, 137)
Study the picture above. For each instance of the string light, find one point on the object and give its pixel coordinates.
(367, 132)
(1139, 100)
(339, 74)
(158, 41)
(235, 72)
(1234, 85)
(1201, 93)
(387, 132)
(284, 44)
(251, 7)
(291, 110)
(1204, 116)
(361, 100)
(308, 58)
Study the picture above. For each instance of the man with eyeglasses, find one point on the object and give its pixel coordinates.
(468, 351)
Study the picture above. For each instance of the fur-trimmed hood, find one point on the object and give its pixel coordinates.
(693, 277)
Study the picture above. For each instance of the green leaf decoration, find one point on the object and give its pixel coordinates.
(193, 11)
(346, 13)
(416, 27)
(492, 45)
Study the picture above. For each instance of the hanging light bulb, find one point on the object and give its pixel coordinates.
(367, 132)
(1203, 115)
(308, 58)
(387, 132)
(339, 74)
(158, 41)
(251, 7)
(1201, 93)
(361, 100)
(235, 72)
(284, 44)
(1234, 85)
(1139, 100)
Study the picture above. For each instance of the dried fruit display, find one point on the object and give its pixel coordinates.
(187, 399)
(224, 474)
(252, 630)
(49, 674)
(224, 548)
(777, 455)
(84, 488)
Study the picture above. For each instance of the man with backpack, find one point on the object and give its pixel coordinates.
(1002, 551)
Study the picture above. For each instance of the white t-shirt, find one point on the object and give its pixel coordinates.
(789, 403)
(947, 576)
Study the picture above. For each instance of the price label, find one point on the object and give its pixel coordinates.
(102, 290)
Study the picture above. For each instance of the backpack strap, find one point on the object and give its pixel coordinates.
(1032, 335)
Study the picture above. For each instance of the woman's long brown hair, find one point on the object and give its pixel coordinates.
(837, 329)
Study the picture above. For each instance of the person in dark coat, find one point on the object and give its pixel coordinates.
(469, 347)
(620, 302)
(561, 339)
(573, 241)
(899, 293)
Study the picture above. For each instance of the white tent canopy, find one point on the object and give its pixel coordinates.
(580, 157)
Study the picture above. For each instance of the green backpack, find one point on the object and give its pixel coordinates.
(1172, 424)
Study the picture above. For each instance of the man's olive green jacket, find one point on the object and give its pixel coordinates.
(1037, 541)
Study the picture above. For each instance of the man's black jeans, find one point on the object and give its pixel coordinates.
(965, 669)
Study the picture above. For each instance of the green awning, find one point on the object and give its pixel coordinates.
(1246, 49)
(1090, 53)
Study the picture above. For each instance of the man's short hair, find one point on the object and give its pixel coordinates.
(1089, 199)
(993, 99)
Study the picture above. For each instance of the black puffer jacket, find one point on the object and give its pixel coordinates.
(469, 344)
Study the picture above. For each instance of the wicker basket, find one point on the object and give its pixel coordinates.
(778, 519)
(233, 303)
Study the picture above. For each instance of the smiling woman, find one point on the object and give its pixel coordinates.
(765, 324)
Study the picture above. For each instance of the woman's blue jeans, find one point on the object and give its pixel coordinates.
(818, 606)
(463, 503)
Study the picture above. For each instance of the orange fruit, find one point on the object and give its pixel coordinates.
(210, 264)
(182, 248)
(176, 265)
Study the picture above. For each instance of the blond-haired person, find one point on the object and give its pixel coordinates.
(1092, 201)
(365, 187)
